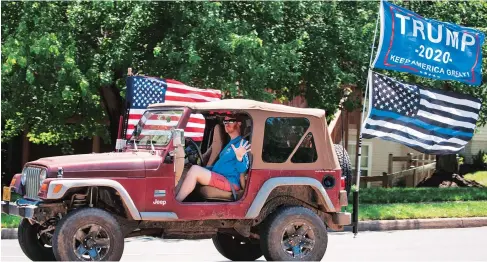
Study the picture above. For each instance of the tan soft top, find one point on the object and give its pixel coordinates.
(242, 104)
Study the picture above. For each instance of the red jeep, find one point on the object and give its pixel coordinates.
(81, 207)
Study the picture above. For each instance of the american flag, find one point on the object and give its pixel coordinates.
(143, 91)
(431, 121)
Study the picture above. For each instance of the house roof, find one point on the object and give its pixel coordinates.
(242, 104)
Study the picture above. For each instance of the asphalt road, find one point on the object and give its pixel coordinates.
(462, 244)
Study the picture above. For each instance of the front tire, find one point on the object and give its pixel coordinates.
(88, 234)
(294, 234)
(31, 244)
(236, 249)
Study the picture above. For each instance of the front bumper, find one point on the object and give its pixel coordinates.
(21, 208)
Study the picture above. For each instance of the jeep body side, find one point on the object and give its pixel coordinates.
(135, 190)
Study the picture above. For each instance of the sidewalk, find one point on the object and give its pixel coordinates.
(409, 224)
(375, 225)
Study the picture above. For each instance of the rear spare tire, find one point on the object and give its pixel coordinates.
(88, 234)
(294, 234)
(345, 165)
(236, 249)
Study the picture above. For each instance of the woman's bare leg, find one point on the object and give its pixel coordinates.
(196, 174)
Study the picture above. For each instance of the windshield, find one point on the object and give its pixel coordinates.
(155, 126)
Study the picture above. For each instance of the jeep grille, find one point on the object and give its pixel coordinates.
(32, 181)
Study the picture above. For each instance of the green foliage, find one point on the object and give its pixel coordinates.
(9, 221)
(480, 159)
(64, 63)
(420, 195)
(421, 210)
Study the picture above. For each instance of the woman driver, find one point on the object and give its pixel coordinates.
(226, 171)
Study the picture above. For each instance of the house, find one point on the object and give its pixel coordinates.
(478, 142)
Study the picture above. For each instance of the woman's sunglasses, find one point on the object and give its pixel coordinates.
(229, 121)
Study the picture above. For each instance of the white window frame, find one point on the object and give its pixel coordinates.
(369, 161)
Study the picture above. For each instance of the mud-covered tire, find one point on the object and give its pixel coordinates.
(236, 249)
(64, 236)
(30, 243)
(345, 165)
(275, 235)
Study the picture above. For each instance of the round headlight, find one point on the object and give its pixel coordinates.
(43, 176)
(23, 177)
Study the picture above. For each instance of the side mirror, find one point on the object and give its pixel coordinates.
(178, 137)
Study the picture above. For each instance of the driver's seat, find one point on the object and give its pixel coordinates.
(216, 194)
(216, 146)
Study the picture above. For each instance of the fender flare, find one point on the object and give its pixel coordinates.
(266, 189)
(74, 183)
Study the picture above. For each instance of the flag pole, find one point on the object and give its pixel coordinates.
(359, 142)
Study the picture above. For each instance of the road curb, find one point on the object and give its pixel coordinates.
(375, 225)
(9, 233)
(411, 224)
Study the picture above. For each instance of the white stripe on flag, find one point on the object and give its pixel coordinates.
(410, 141)
(450, 99)
(194, 96)
(165, 123)
(211, 92)
(141, 112)
(414, 132)
(454, 111)
(445, 120)
(158, 132)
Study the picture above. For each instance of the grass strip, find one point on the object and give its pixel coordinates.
(421, 210)
(420, 195)
(480, 177)
(9, 221)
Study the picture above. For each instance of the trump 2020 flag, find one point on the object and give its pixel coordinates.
(425, 47)
(428, 120)
(143, 91)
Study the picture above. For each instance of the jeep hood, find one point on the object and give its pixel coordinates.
(125, 164)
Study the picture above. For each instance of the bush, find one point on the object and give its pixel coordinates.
(480, 160)
(420, 195)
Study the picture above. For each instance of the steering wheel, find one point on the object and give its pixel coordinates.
(191, 153)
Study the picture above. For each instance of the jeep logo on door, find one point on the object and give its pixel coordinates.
(159, 202)
(159, 193)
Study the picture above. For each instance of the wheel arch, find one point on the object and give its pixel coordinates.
(69, 184)
(286, 183)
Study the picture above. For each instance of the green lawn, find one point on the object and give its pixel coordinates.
(421, 210)
(419, 195)
(9, 221)
(479, 176)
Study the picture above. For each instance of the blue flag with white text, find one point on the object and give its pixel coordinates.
(429, 48)
(431, 121)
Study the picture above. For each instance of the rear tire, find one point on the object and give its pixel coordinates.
(294, 234)
(88, 233)
(345, 165)
(31, 244)
(236, 249)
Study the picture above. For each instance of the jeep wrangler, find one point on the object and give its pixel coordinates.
(82, 207)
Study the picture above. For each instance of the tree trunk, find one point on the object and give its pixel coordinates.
(114, 106)
(446, 174)
(447, 164)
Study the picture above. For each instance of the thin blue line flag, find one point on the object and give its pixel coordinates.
(430, 121)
